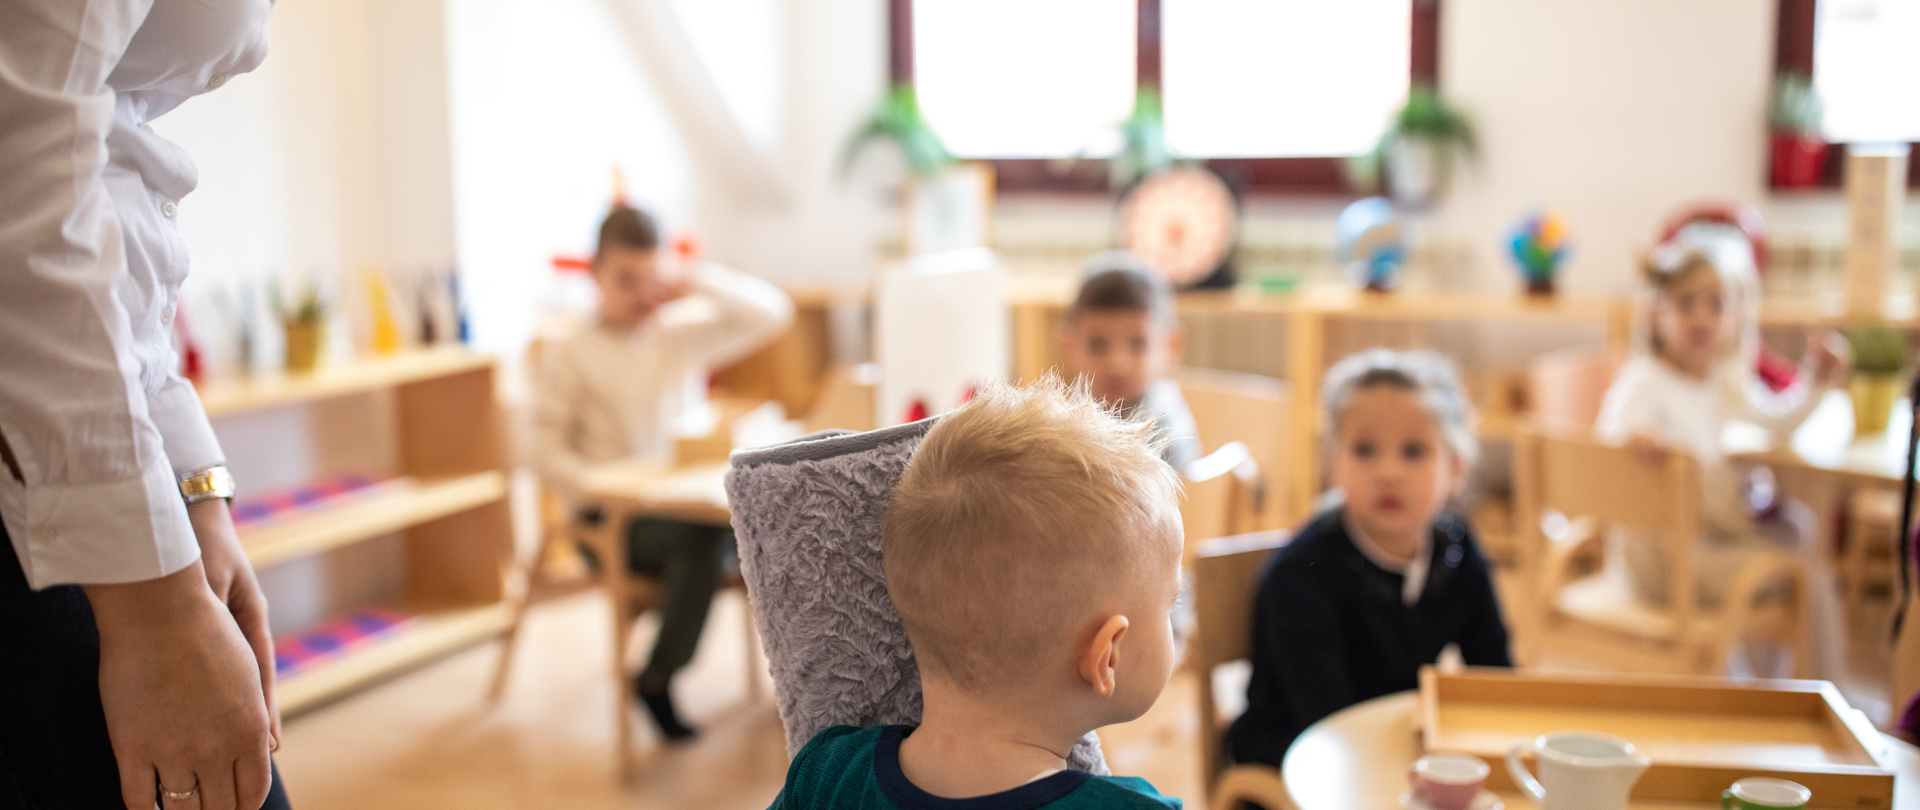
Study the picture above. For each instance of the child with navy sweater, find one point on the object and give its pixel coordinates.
(1373, 589)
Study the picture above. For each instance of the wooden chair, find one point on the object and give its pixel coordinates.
(1870, 558)
(1220, 493)
(846, 400)
(1229, 406)
(1584, 489)
(1226, 575)
(1565, 387)
(629, 596)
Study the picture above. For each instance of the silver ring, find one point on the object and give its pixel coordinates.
(182, 795)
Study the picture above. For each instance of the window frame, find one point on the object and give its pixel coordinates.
(1286, 176)
(1793, 51)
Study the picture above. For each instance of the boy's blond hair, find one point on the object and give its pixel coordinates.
(1017, 514)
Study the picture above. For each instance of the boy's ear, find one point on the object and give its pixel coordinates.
(1101, 658)
(1174, 338)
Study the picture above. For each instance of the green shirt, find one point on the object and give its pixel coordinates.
(859, 768)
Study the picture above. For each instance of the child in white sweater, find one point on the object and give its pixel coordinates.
(610, 392)
(1695, 373)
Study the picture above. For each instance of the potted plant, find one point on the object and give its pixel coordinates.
(897, 121)
(1419, 149)
(946, 204)
(1793, 116)
(1143, 148)
(1879, 355)
(306, 327)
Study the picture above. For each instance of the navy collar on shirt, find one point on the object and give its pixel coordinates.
(893, 783)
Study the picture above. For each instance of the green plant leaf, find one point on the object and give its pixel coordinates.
(1878, 350)
(897, 119)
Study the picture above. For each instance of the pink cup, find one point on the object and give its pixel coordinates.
(1448, 781)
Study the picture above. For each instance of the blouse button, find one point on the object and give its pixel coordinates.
(217, 79)
(166, 315)
(167, 209)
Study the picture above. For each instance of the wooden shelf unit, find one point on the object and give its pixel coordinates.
(358, 519)
(428, 635)
(450, 508)
(223, 397)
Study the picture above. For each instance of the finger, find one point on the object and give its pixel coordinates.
(251, 616)
(217, 789)
(175, 781)
(136, 783)
(252, 778)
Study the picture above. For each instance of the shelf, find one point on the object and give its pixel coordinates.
(424, 638)
(238, 395)
(1831, 312)
(362, 518)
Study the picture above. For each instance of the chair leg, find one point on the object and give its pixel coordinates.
(612, 575)
(536, 578)
(1258, 784)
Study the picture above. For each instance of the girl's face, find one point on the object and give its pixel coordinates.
(1690, 318)
(1393, 461)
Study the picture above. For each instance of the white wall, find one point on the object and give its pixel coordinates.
(332, 157)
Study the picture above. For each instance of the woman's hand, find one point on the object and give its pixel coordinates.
(232, 580)
(1830, 357)
(181, 692)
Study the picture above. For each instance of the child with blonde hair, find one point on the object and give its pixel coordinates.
(1032, 549)
(1375, 588)
(1695, 371)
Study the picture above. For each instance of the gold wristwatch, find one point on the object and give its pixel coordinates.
(207, 483)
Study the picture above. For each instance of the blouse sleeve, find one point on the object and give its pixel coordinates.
(94, 499)
(1782, 413)
(742, 314)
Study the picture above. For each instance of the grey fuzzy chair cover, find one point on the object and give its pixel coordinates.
(808, 516)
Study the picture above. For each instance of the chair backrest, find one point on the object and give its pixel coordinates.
(940, 330)
(1573, 474)
(845, 401)
(1565, 387)
(1229, 406)
(1219, 491)
(1226, 577)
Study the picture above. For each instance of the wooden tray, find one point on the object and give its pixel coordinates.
(1702, 733)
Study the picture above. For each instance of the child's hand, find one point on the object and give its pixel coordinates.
(662, 290)
(1830, 357)
(1647, 448)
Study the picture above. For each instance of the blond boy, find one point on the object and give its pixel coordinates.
(1032, 549)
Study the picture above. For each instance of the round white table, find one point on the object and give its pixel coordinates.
(1357, 759)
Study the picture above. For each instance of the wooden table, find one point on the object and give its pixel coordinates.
(1357, 759)
(628, 489)
(1825, 445)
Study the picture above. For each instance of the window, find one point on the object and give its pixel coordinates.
(1282, 78)
(1273, 94)
(1051, 86)
(1864, 67)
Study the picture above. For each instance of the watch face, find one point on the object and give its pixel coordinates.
(1183, 220)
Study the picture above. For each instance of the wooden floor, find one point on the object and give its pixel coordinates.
(429, 739)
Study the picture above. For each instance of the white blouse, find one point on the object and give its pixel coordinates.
(98, 421)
